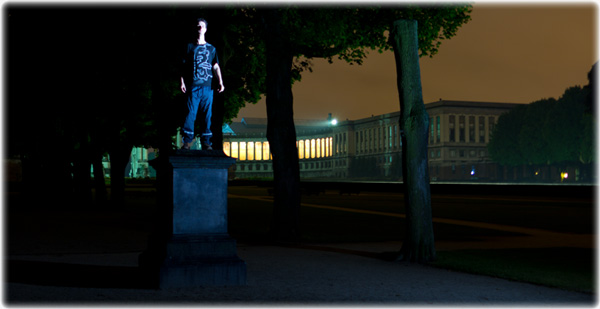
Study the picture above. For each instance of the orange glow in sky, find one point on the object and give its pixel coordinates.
(507, 53)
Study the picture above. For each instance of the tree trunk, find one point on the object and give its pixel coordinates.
(99, 182)
(281, 131)
(218, 108)
(81, 177)
(414, 123)
(218, 111)
(119, 157)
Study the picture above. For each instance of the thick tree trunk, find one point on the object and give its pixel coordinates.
(281, 131)
(414, 123)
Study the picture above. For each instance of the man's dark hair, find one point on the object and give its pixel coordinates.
(199, 19)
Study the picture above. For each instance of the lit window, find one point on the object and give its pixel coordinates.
(306, 149)
(330, 146)
(318, 147)
(258, 149)
(250, 150)
(243, 151)
(301, 149)
(265, 151)
(234, 150)
(227, 148)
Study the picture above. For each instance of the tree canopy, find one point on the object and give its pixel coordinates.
(107, 75)
(547, 132)
(349, 33)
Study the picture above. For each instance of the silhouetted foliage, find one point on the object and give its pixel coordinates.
(107, 77)
(547, 132)
(107, 80)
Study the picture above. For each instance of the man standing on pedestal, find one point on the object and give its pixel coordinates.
(199, 63)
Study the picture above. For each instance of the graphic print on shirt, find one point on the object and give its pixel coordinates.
(202, 66)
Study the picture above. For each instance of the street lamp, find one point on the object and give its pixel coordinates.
(332, 121)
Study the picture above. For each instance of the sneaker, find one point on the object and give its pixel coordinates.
(207, 147)
(186, 146)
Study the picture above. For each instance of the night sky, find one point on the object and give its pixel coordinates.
(506, 53)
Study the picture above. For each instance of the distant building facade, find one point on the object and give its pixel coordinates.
(458, 136)
(371, 148)
(138, 165)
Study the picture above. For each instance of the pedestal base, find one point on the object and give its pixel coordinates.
(194, 261)
(190, 247)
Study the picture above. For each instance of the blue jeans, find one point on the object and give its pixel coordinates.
(199, 101)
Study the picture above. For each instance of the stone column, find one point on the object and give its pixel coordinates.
(191, 247)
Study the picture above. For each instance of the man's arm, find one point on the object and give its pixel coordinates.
(183, 88)
(217, 71)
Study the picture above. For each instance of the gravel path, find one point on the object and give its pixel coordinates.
(305, 276)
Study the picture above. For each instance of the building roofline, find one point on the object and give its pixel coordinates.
(480, 104)
(257, 125)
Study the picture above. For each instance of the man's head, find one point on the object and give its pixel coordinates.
(201, 24)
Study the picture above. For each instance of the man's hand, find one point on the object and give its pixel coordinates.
(221, 88)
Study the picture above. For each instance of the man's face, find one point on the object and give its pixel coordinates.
(201, 27)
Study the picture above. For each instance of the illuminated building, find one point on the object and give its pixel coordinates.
(247, 142)
(370, 148)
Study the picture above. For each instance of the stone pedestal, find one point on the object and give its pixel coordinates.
(191, 247)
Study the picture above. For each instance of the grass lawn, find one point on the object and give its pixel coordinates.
(38, 228)
(566, 268)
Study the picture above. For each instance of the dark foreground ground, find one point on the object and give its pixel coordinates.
(88, 255)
